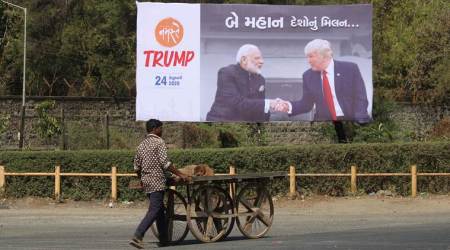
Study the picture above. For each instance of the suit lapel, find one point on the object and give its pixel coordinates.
(321, 106)
(338, 81)
(317, 79)
(243, 83)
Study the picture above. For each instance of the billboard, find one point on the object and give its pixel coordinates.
(254, 63)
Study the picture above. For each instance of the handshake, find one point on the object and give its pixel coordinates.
(280, 105)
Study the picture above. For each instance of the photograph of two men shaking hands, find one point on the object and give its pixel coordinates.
(333, 90)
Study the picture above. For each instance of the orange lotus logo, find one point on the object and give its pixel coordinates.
(169, 32)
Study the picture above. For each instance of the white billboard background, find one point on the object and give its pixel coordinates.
(216, 46)
(160, 99)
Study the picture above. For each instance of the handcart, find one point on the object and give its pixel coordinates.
(208, 206)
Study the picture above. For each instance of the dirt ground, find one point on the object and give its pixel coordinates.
(374, 204)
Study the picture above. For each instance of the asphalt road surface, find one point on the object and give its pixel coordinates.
(317, 223)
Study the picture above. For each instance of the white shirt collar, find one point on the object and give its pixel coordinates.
(330, 68)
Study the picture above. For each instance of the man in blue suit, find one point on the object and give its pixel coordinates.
(333, 90)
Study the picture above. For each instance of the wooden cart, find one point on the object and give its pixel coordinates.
(211, 207)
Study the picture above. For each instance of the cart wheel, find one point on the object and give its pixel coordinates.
(211, 214)
(254, 209)
(175, 208)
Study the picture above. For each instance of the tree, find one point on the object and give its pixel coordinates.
(87, 47)
(411, 59)
(82, 48)
(11, 50)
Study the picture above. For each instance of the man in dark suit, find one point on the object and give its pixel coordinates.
(240, 94)
(333, 90)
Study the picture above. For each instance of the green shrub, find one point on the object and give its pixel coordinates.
(47, 125)
(227, 139)
(195, 136)
(369, 158)
(257, 134)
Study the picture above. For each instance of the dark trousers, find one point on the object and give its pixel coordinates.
(156, 212)
(340, 132)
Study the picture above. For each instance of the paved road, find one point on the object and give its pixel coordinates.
(368, 223)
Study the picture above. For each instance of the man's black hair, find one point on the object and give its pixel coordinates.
(152, 124)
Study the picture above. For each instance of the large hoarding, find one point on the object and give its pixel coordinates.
(254, 63)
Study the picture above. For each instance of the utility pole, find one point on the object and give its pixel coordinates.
(22, 111)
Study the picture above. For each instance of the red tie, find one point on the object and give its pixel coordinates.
(328, 96)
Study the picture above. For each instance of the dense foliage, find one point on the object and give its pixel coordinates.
(87, 47)
(47, 125)
(369, 158)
